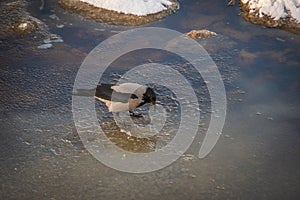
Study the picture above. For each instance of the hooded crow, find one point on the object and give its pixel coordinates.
(124, 97)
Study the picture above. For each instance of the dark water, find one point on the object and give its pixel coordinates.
(256, 157)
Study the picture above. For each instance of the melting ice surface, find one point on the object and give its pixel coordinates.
(276, 8)
(136, 7)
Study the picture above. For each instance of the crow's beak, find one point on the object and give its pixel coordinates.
(152, 103)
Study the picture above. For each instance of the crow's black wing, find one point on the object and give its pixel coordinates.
(104, 91)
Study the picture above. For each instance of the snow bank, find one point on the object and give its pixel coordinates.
(276, 8)
(135, 7)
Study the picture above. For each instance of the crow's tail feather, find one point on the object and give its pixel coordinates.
(104, 91)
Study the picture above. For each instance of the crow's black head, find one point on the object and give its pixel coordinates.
(149, 96)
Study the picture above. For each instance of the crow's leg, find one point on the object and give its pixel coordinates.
(132, 114)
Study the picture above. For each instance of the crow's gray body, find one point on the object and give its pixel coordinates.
(124, 97)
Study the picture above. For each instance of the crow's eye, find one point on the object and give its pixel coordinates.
(133, 96)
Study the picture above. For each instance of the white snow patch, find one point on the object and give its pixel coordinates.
(135, 7)
(276, 8)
